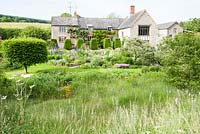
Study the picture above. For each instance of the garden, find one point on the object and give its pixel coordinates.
(82, 90)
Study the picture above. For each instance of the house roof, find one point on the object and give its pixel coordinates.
(97, 23)
(166, 25)
(100, 23)
(64, 21)
(128, 22)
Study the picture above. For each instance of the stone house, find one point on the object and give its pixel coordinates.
(138, 25)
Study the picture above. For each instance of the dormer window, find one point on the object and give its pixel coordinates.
(110, 28)
(90, 28)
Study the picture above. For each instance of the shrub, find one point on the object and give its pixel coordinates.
(79, 43)
(180, 57)
(93, 44)
(68, 44)
(26, 52)
(7, 33)
(107, 43)
(36, 32)
(6, 86)
(116, 43)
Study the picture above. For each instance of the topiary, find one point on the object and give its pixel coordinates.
(26, 51)
(93, 44)
(79, 43)
(68, 44)
(117, 43)
(107, 43)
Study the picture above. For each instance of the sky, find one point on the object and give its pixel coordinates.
(161, 10)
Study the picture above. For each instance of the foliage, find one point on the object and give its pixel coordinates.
(76, 32)
(6, 86)
(100, 35)
(79, 43)
(66, 15)
(68, 44)
(141, 52)
(181, 60)
(116, 43)
(52, 43)
(36, 32)
(27, 51)
(107, 43)
(7, 18)
(7, 33)
(93, 44)
(192, 25)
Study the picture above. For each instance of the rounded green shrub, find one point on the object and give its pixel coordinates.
(26, 51)
(117, 43)
(68, 44)
(93, 44)
(79, 43)
(107, 43)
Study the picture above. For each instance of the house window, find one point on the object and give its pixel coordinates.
(62, 29)
(175, 30)
(110, 28)
(122, 34)
(62, 39)
(90, 29)
(143, 30)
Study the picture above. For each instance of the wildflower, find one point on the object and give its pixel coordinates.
(18, 81)
(177, 100)
(180, 131)
(67, 91)
(32, 86)
(3, 97)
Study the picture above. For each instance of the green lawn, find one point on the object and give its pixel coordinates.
(110, 101)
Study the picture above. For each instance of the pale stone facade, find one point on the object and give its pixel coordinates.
(138, 25)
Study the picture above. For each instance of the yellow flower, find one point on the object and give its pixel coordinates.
(67, 91)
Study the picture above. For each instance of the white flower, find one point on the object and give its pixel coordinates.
(32, 86)
(3, 97)
(18, 81)
(180, 131)
(177, 100)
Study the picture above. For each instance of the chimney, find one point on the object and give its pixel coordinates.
(132, 9)
(75, 14)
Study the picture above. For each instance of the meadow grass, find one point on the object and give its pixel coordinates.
(23, 25)
(114, 101)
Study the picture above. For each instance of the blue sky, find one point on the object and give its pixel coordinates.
(160, 10)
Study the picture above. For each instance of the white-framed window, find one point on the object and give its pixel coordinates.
(62, 29)
(143, 30)
(90, 28)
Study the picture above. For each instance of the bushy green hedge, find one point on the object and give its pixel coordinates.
(79, 43)
(36, 32)
(7, 33)
(68, 44)
(93, 44)
(31, 31)
(107, 43)
(116, 43)
(26, 51)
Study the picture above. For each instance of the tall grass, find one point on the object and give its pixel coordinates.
(115, 102)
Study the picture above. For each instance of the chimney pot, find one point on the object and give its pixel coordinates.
(132, 9)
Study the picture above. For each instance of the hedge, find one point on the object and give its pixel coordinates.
(79, 43)
(26, 51)
(107, 43)
(116, 43)
(68, 44)
(93, 44)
